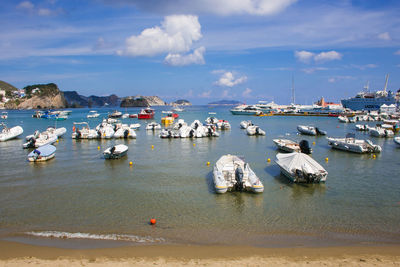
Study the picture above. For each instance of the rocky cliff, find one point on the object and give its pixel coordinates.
(142, 101)
(76, 100)
(181, 102)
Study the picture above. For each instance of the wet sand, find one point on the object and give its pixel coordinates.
(17, 254)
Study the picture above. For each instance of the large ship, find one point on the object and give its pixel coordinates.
(370, 101)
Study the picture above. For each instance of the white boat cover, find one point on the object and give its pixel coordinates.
(292, 161)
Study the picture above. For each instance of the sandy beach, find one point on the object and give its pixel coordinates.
(17, 254)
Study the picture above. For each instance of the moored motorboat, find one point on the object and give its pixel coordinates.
(116, 114)
(310, 130)
(41, 139)
(245, 124)
(4, 115)
(115, 152)
(146, 114)
(10, 133)
(343, 119)
(380, 132)
(124, 131)
(223, 125)
(152, 126)
(362, 127)
(301, 168)
(232, 173)
(246, 110)
(254, 130)
(166, 133)
(349, 143)
(291, 146)
(42, 153)
(397, 140)
(81, 130)
(92, 114)
(134, 126)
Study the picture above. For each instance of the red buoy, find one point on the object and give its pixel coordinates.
(153, 221)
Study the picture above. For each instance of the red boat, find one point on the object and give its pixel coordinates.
(146, 113)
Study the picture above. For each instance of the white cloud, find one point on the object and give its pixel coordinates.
(363, 67)
(228, 79)
(327, 56)
(339, 78)
(304, 56)
(384, 36)
(205, 94)
(26, 5)
(247, 92)
(175, 35)
(181, 60)
(312, 70)
(44, 12)
(219, 7)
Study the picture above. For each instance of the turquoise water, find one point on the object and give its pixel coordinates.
(80, 192)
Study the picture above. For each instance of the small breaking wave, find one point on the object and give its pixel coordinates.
(113, 237)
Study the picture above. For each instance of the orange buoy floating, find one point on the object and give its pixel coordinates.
(152, 221)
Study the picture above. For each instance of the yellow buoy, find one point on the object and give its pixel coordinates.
(326, 159)
(374, 156)
(57, 140)
(208, 163)
(268, 160)
(313, 143)
(152, 146)
(194, 144)
(130, 163)
(98, 148)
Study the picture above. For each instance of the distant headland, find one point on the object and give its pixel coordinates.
(49, 96)
(225, 103)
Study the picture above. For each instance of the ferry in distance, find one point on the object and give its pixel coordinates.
(370, 101)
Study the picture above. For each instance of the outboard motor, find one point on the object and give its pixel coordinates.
(78, 134)
(239, 178)
(305, 147)
(191, 133)
(31, 142)
(257, 130)
(126, 133)
(112, 150)
(209, 132)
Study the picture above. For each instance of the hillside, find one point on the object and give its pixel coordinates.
(142, 101)
(76, 100)
(182, 102)
(7, 87)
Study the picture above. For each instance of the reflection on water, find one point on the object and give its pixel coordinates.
(80, 191)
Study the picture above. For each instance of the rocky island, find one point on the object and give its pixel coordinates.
(142, 101)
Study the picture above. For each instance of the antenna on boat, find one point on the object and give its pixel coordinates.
(386, 82)
(366, 87)
(293, 97)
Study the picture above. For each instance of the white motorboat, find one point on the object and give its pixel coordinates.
(125, 116)
(246, 110)
(380, 132)
(134, 126)
(81, 130)
(223, 125)
(343, 119)
(232, 173)
(115, 152)
(124, 131)
(177, 109)
(165, 133)
(41, 139)
(362, 127)
(116, 114)
(353, 145)
(42, 153)
(254, 130)
(210, 131)
(310, 130)
(291, 146)
(10, 133)
(301, 168)
(179, 124)
(57, 131)
(195, 124)
(397, 140)
(152, 126)
(92, 114)
(4, 115)
(211, 120)
(245, 124)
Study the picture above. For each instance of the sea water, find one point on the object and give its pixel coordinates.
(80, 195)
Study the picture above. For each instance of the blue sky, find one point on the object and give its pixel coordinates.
(203, 50)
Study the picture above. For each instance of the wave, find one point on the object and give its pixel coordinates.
(115, 237)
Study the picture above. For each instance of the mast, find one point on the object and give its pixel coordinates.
(386, 82)
(293, 97)
(366, 87)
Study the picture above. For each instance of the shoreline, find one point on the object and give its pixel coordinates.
(17, 254)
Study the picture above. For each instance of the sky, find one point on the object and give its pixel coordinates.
(203, 50)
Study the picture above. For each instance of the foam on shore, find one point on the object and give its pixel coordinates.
(113, 237)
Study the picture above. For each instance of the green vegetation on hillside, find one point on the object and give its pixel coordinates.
(49, 89)
(7, 87)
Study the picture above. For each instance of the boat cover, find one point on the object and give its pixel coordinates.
(44, 151)
(300, 161)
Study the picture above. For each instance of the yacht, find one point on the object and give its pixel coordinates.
(246, 110)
